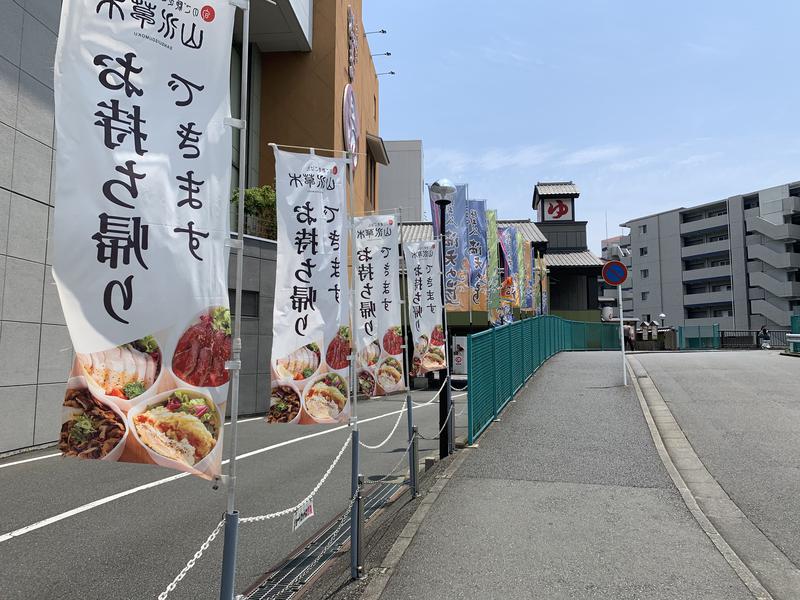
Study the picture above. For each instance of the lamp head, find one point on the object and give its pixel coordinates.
(443, 189)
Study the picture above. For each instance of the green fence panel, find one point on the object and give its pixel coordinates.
(517, 357)
(527, 355)
(480, 383)
(610, 336)
(795, 323)
(502, 361)
(536, 343)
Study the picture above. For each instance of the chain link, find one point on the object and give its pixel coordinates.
(392, 471)
(436, 437)
(190, 565)
(388, 437)
(287, 511)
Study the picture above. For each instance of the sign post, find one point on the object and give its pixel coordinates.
(615, 273)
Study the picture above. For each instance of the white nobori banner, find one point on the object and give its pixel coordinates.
(379, 333)
(311, 336)
(424, 283)
(143, 169)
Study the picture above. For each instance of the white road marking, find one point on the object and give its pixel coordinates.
(80, 509)
(57, 454)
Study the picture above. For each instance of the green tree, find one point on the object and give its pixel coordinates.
(259, 203)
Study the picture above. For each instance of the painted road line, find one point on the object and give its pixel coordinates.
(57, 454)
(102, 501)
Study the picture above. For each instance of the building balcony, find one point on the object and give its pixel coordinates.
(705, 249)
(770, 311)
(723, 272)
(779, 260)
(711, 223)
(707, 298)
(776, 287)
(783, 231)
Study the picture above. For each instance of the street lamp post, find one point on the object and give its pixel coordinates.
(443, 191)
(663, 317)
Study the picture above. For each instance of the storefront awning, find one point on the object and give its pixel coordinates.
(377, 149)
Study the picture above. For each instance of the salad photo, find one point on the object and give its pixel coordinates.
(326, 398)
(92, 430)
(183, 427)
(300, 364)
(126, 371)
(203, 349)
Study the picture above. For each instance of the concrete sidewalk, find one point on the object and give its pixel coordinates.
(566, 497)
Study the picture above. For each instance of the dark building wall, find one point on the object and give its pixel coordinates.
(564, 237)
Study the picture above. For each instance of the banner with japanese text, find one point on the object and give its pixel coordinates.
(311, 337)
(477, 253)
(424, 293)
(379, 332)
(536, 282)
(493, 270)
(143, 167)
(521, 247)
(456, 261)
(527, 303)
(509, 293)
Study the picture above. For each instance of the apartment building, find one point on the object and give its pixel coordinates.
(735, 262)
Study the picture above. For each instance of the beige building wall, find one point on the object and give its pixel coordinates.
(303, 96)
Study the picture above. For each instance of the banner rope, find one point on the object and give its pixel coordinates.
(205, 545)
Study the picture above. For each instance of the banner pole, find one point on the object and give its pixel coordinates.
(228, 579)
(405, 320)
(622, 336)
(355, 533)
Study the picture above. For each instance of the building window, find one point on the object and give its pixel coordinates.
(721, 262)
(718, 238)
(723, 312)
(250, 302)
(718, 212)
(644, 273)
(721, 287)
(642, 229)
(646, 318)
(643, 251)
(696, 313)
(371, 168)
(645, 295)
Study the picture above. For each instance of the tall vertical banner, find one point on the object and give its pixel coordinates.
(477, 252)
(527, 303)
(537, 286)
(140, 230)
(311, 336)
(520, 248)
(379, 333)
(545, 286)
(509, 293)
(424, 293)
(493, 288)
(456, 260)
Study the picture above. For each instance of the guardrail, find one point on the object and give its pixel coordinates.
(502, 359)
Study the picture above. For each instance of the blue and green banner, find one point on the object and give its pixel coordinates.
(477, 252)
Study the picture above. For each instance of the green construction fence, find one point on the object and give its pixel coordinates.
(502, 359)
(699, 337)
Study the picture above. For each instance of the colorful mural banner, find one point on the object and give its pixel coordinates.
(311, 335)
(545, 286)
(536, 282)
(527, 296)
(424, 293)
(520, 247)
(456, 261)
(379, 333)
(477, 250)
(493, 270)
(509, 292)
(140, 230)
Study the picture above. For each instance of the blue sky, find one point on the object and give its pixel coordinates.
(647, 106)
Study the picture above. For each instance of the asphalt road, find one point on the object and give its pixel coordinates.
(95, 535)
(741, 413)
(564, 498)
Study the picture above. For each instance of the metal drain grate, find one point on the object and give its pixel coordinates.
(276, 587)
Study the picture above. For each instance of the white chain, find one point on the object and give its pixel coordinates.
(432, 400)
(171, 587)
(450, 414)
(388, 437)
(392, 472)
(313, 493)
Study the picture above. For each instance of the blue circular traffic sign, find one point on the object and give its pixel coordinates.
(615, 273)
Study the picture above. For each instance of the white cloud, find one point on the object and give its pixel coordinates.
(593, 154)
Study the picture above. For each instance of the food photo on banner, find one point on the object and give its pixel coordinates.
(140, 230)
(493, 271)
(379, 333)
(311, 335)
(477, 253)
(424, 292)
(456, 262)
